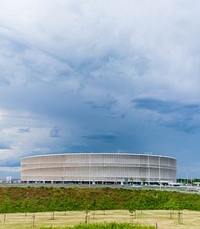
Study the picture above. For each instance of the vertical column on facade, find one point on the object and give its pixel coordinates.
(159, 173)
(89, 161)
(148, 170)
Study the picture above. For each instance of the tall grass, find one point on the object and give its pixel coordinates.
(105, 226)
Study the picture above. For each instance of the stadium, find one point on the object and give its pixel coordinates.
(98, 168)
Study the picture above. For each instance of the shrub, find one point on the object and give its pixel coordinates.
(106, 226)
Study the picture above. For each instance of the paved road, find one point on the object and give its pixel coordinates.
(188, 189)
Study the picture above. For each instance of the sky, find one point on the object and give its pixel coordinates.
(100, 76)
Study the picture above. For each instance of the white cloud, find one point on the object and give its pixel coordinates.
(10, 169)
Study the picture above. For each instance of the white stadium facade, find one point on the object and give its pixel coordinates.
(98, 168)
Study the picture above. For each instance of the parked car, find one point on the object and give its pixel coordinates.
(136, 186)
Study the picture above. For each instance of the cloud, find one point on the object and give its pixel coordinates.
(104, 104)
(55, 132)
(3, 145)
(167, 107)
(103, 75)
(24, 130)
(178, 115)
(10, 169)
(105, 137)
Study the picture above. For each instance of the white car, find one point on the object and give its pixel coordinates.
(136, 186)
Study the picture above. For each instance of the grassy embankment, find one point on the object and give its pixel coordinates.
(44, 199)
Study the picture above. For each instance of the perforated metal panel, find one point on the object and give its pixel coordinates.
(108, 167)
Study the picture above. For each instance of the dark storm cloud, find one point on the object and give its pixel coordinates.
(105, 137)
(3, 146)
(71, 74)
(164, 107)
(155, 105)
(24, 130)
(55, 132)
(106, 103)
(177, 115)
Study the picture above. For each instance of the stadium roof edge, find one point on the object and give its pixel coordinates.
(114, 153)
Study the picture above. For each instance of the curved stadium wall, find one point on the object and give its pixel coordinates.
(98, 168)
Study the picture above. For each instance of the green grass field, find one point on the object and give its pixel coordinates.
(189, 220)
(115, 203)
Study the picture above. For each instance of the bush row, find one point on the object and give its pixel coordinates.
(34, 199)
(106, 226)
